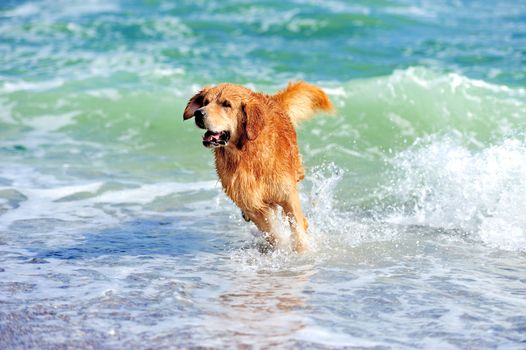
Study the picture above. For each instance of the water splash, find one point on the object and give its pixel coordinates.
(442, 184)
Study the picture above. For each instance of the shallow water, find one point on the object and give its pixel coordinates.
(114, 232)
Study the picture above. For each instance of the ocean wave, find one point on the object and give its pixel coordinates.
(382, 116)
(415, 132)
(442, 184)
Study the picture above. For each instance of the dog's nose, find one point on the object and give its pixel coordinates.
(200, 115)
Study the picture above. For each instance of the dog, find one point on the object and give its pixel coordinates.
(256, 152)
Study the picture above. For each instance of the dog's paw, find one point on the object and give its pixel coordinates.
(302, 246)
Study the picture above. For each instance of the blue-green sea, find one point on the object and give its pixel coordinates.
(114, 230)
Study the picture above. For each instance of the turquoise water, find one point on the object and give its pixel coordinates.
(114, 232)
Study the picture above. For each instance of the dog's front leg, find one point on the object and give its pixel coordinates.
(264, 219)
(298, 222)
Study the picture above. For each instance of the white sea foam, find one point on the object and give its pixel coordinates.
(443, 184)
(23, 10)
(46, 197)
(62, 8)
(110, 94)
(14, 86)
(331, 338)
(148, 192)
(50, 123)
(6, 111)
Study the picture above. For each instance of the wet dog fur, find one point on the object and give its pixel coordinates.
(254, 141)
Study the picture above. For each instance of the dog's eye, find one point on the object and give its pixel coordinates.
(205, 102)
(226, 104)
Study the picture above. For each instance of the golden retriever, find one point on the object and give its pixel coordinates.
(256, 152)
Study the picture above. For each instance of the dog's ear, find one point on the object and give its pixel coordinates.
(194, 103)
(254, 110)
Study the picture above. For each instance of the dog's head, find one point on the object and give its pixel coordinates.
(230, 114)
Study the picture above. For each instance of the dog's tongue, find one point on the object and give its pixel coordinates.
(212, 136)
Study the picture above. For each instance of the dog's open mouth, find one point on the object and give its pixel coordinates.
(213, 139)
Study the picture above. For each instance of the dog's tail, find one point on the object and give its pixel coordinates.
(301, 100)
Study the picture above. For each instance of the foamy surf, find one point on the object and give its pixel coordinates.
(442, 184)
(114, 232)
